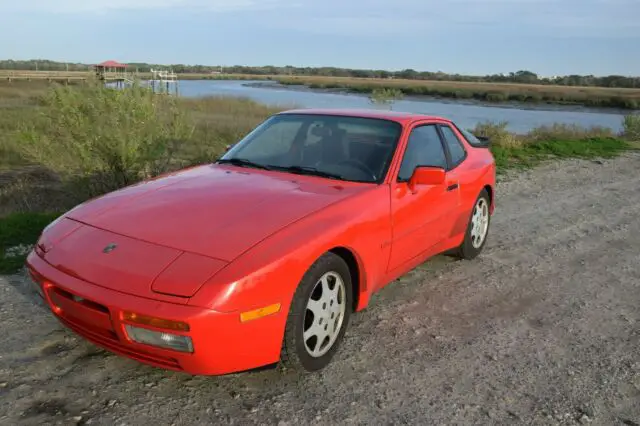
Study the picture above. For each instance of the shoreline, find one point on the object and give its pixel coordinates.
(550, 107)
(489, 94)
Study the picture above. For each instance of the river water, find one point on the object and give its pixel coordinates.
(467, 114)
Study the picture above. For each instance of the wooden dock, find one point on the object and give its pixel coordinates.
(64, 76)
(45, 75)
(160, 81)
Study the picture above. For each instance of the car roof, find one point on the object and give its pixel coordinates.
(398, 116)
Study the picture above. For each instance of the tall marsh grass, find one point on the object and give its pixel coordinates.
(631, 126)
(488, 92)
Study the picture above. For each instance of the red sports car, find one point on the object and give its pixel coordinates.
(263, 255)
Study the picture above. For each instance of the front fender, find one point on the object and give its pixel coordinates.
(269, 272)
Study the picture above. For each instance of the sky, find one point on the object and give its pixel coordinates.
(549, 37)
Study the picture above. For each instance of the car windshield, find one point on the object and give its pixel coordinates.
(332, 146)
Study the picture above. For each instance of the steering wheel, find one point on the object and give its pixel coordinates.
(360, 166)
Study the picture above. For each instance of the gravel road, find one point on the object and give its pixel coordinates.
(543, 328)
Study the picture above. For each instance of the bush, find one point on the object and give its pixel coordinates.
(631, 127)
(498, 134)
(385, 96)
(103, 138)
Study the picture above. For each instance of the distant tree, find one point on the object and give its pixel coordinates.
(522, 76)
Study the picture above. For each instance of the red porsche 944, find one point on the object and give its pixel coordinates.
(262, 256)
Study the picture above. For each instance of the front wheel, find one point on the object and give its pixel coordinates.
(319, 315)
(475, 237)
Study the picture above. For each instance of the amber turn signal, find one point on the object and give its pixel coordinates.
(259, 313)
(155, 322)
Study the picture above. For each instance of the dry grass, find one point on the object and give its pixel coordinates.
(491, 92)
(499, 87)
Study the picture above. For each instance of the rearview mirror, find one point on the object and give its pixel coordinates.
(424, 175)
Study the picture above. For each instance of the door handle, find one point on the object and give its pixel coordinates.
(452, 187)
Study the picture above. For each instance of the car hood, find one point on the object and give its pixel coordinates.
(214, 210)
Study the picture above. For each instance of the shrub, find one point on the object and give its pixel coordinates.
(385, 96)
(103, 138)
(498, 134)
(631, 127)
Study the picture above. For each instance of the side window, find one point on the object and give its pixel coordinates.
(456, 149)
(424, 148)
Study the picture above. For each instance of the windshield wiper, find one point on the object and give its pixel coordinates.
(304, 170)
(242, 162)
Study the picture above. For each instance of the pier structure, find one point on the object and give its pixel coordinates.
(113, 72)
(164, 82)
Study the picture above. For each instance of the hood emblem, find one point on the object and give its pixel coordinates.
(108, 249)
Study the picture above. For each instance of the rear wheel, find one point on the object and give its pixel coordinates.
(319, 315)
(475, 237)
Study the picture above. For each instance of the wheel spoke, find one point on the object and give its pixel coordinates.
(315, 306)
(316, 329)
(327, 308)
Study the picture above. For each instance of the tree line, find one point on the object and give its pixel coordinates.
(522, 76)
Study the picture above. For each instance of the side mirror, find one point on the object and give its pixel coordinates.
(227, 148)
(424, 175)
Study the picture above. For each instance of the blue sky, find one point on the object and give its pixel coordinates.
(550, 37)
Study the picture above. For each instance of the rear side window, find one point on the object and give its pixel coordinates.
(456, 150)
(471, 138)
(424, 148)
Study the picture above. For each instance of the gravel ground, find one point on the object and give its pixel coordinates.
(543, 328)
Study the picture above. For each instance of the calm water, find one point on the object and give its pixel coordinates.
(466, 115)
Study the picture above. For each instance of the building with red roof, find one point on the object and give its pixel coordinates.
(111, 64)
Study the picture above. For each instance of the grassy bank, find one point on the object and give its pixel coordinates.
(60, 145)
(488, 92)
(591, 96)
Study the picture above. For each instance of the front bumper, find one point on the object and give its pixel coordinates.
(222, 344)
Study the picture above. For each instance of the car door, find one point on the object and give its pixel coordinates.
(457, 175)
(420, 217)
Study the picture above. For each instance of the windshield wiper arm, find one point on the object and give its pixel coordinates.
(242, 162)
(303, 170)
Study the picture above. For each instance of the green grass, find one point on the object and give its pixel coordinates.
(20, 229)
(531, 154)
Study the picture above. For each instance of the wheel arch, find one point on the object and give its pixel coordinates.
(358, 281)
(490, 191)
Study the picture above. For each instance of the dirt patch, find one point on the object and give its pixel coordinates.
(543, 328)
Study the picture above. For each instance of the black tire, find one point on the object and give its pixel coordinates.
(467, 250)
(294, 351)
